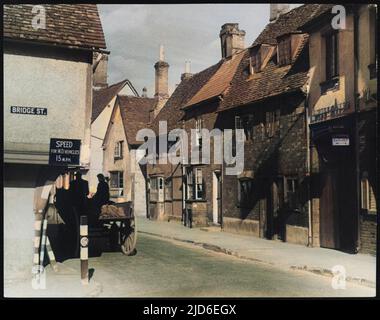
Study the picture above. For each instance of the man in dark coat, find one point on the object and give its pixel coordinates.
(79, 191)
(102, 195)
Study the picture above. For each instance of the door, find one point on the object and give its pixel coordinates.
(329, 211)
(217, 198)
(338, 222)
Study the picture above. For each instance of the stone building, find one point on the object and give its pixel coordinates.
(120, 162)
(48, 81)
(342, 103)
(102, 105)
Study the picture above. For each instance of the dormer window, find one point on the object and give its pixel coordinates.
(284, 51)
(256, 61)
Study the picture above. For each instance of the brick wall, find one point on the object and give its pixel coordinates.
(284, 154)
(368, 229)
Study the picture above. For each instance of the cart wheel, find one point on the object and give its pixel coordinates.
(128, 236)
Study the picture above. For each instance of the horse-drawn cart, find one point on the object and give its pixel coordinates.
(119, 224)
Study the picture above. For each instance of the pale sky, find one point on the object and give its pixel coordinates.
(188, 32)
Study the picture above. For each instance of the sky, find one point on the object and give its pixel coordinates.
(134, 34)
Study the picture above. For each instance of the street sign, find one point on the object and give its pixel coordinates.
(64, 152)
(36, 111)
(340, 140)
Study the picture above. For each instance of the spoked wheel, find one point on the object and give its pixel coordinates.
(128, 236)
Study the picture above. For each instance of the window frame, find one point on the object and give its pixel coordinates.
(118, 150)
(284, 51)
(331, 42)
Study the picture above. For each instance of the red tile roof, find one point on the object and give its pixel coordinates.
(274, 79)
(102, 97)
(219, 82)
(76, 25)
(135, 115)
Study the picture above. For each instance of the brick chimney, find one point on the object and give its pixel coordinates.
(161, 82)
(187, 74)
(277, 9)
(231, 39)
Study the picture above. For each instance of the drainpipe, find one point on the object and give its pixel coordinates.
(356, 115)
(308, 172)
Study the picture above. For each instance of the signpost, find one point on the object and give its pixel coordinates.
(64, 152)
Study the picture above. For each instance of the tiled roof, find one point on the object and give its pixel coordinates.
(76, 25)
(102, 97)
(172, 111)
(274, 79)
(135, 114)
(219, 81)
(290, 22)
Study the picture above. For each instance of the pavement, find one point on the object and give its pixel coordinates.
(358, 268)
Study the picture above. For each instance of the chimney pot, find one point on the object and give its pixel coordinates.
(187, 74)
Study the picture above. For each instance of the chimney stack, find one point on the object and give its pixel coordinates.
(277, 9)
(100, 66)
(144, 92)
(187, 74)
(161, 82)
(231, 39)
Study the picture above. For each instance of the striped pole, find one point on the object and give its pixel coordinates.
(84, 249)
(43, 242)
(37, 240)
(51, 255)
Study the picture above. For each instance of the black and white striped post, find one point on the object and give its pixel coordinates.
(37, 241)
(43, 242)
(84, 249)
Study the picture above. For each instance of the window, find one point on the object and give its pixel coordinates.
(195, 185)
(118, 152)
(238, 123)
(168, 189)
(256, 61)
(198, 132)
(153, 189)
(331, 44)
(117, 181)
(272, 122)
(198, 184)
(284, 51)
(245, 192)
(368, 196)
(291, 189)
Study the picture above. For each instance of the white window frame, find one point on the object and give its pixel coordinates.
(198, 132)
(198, 184)
(120, 177)
(118, 151)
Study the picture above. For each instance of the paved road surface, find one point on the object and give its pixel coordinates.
(163, 268)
